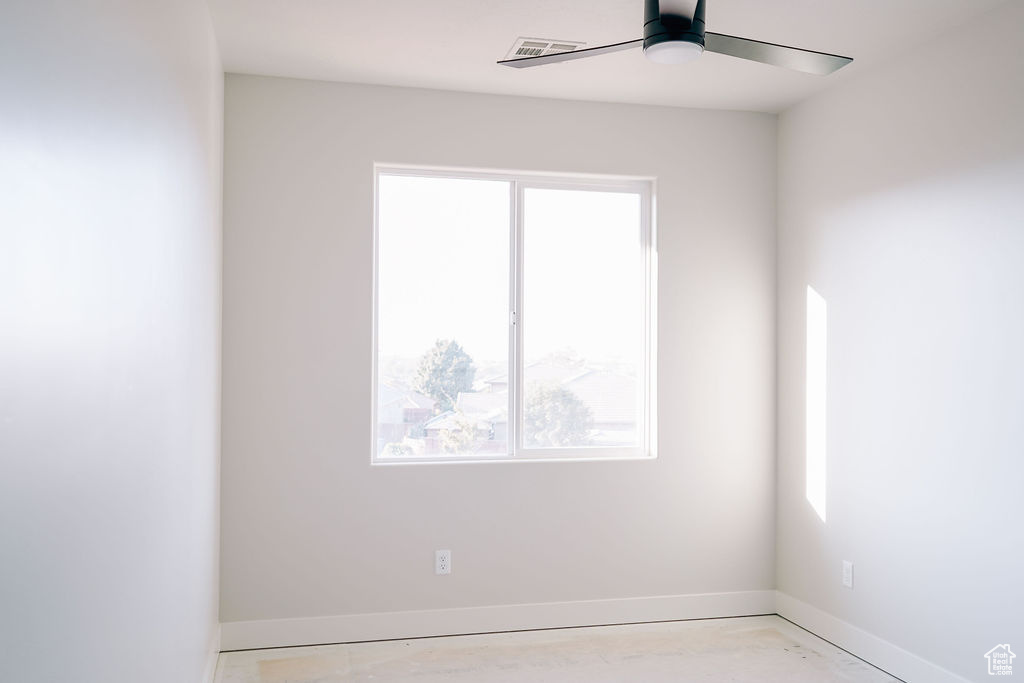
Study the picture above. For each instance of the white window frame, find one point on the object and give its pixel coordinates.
(519, 182)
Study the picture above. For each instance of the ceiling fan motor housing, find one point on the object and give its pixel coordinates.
(661, 28)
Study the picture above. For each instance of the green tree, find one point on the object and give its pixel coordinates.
(444, 371)
(556, 417)
(461, 439)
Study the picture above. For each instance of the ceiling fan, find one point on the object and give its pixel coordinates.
(676, 35)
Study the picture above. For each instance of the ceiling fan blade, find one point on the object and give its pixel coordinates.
(568, 56)
(808, 61)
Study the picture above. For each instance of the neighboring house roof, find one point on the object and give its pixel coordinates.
(483, 405)
(388, 394)
(497, 380)
(544, 371)
(417, 400)
(611, 396)
(443, 421)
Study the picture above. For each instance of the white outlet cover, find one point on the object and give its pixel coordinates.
(848, 573)
(443, 562)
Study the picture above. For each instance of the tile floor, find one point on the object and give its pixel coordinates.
(745, 649)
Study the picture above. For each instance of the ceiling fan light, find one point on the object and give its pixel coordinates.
(673, 52)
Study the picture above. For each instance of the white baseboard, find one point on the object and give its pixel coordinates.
(245, 635)
(881, 653)
(348, 628)
(213, 652)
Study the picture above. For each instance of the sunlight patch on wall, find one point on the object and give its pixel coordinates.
(817, 345)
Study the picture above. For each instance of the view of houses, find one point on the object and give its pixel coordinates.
(569, 403)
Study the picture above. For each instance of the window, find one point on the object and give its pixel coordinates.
(513, 317)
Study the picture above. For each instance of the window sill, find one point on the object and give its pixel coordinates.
(599, 455)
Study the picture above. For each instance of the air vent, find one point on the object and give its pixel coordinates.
(537, 47)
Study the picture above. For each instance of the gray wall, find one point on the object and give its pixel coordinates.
(310, 528)
(901, 202)
(110, 131)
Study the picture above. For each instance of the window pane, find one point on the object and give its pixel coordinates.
(583, 314)
(442, 316)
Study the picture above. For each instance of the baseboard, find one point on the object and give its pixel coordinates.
(213, 652)
(246, 635)
(349, 628)
(881, 653)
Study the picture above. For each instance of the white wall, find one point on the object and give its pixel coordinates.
(310, 528)
(902, 203)
(110, 140)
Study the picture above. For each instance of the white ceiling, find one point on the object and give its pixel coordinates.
(453, 45)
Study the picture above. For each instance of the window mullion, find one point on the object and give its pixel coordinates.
(516, 337)
(650, 330)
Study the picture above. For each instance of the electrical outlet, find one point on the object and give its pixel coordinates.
(848, 573)
(443, 562)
